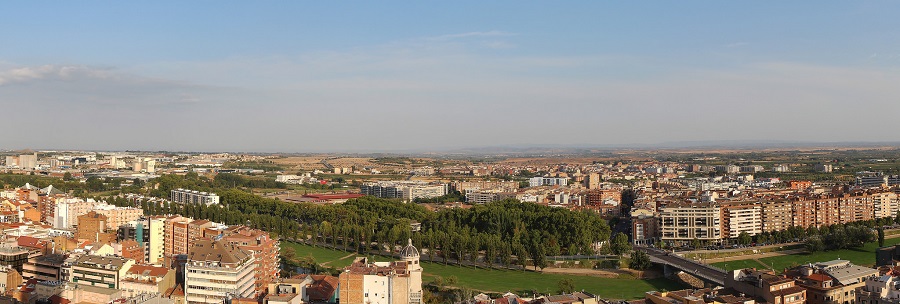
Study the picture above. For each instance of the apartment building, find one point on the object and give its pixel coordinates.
(28, 161)
(118, 216)
(776, 214)
(155, 248)
(825, 168)
(405, 190)
(547, 181)
(751, 169)
(886, 204)
(100, 271)
(184, 196)
(93, 226)
(10, 280)
(181, 232)
(423, 191)
(682, 222)
(66, 212)
(739, 217)
(644, 229)
(803, 212)
(501, 186)
(216, 270)
(13, 257)
(265, 253)
(856, 208)
(44, 267)
(729, 169)
(482, 197)
(592, 180)
(597, 197)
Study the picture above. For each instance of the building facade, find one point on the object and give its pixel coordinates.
(184, 196)
(383, 282)
(215, 271)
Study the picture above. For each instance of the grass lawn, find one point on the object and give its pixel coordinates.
(863, 256)
(505, 280)
(739, 264)
(322, 255)
(512, 280)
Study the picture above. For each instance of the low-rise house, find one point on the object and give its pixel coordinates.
(100, 271)
(694, 296)
(831, 282)
(879, 290)
(44, 267)
(147, 279)
(308, 288)
(765, 287)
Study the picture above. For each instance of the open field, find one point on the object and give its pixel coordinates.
(301, 162)
(864, 256)
(322, 255)
(512, 280)
(504, 280)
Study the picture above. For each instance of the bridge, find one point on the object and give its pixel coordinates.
(708, 273)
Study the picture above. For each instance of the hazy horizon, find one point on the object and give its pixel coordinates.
(317, 77)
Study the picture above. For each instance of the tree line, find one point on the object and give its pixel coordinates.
(489, 234)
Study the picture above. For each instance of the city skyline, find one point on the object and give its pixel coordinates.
(316, 77)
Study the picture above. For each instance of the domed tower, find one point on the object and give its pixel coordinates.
(411, 255)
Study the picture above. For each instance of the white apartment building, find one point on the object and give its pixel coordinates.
(216, 270)
(156, 247)
(742, 218)
(66, 212)
(423, 191)
(184, 196)
(886, 204)
(547, 181)
(682, 222)
(118, 216)
(28, 161)
(405, 190)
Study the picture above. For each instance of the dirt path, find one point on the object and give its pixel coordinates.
(342, 258)
(754, 256)
(583, 271)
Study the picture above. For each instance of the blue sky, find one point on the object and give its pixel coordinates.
(326, 76)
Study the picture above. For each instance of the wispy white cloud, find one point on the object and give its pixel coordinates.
(88, 85)
(446, 89)
(10, 75)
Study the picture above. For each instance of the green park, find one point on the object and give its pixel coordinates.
(501, 281)
(864, 256)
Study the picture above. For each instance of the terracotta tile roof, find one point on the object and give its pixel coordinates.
(148, 270)
(819, 277)
(56, 299)
(216, 251)
(30, 242)
(322, 288)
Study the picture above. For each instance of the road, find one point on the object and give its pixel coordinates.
(702, 271)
